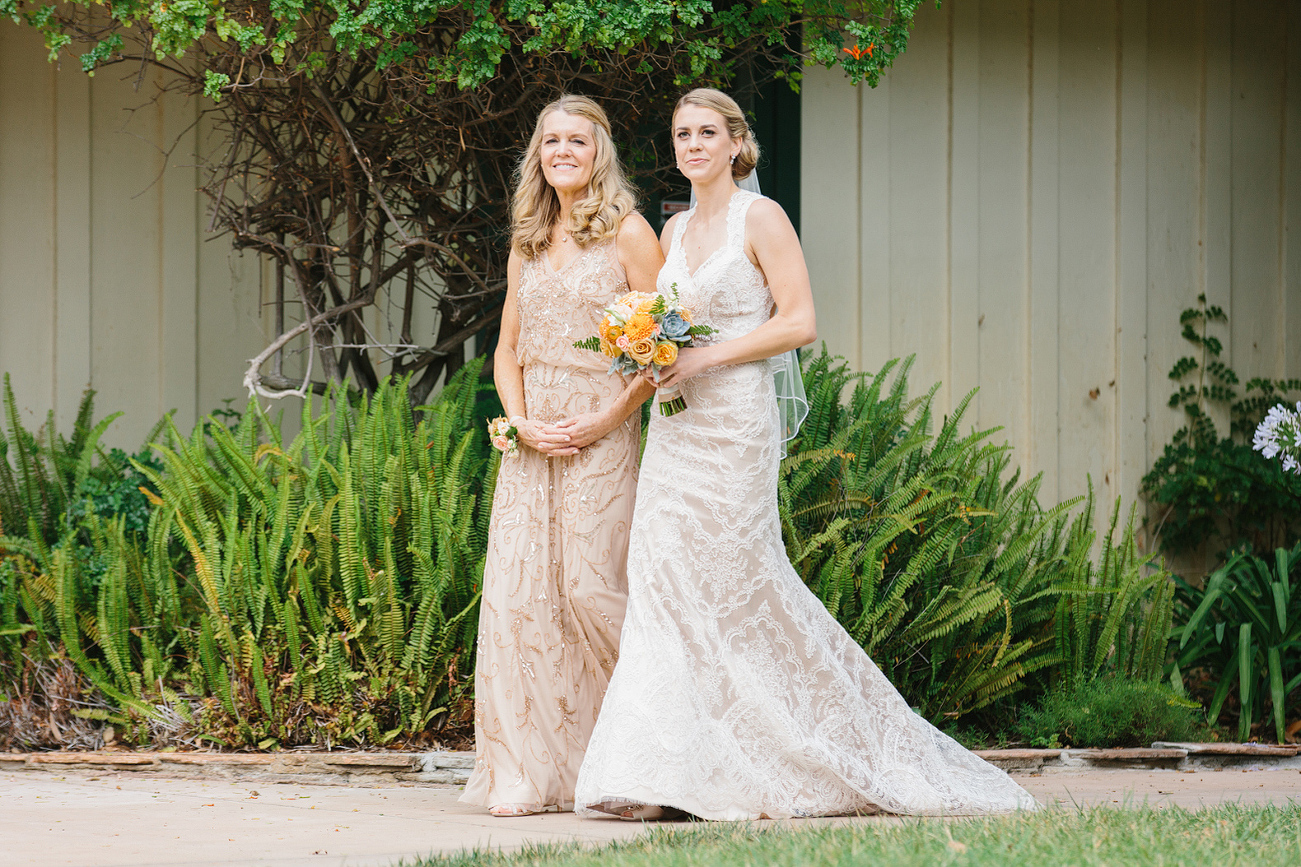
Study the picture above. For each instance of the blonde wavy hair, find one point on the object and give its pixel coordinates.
(597, 216)
(737, 127)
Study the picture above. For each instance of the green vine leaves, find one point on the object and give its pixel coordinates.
(464, 41)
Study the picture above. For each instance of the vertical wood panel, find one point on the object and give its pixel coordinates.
(1003, 216)
(127, 310)
(1087, 254)
(1131, 323)
(874, 226)
(26, 224)
(1292, 197)
(1259, 33)
(829, 137)
(1044, 453)
(71, 289)
(232, 321)
(1217, 168)
(93, 231)
(964, 203)
(917, 215)
(1176, 249)
(178, 279)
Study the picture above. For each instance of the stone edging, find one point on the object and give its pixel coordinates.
(1161, 755)
(453, 768)
(331, 769)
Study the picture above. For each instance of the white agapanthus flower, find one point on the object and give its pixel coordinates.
(1280, 435)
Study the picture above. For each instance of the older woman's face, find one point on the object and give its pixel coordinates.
(568, 151)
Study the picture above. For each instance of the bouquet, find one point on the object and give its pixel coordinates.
(1280, 435)
(503, 435)
(645, 330)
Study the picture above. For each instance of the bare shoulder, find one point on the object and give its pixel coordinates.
(767, 221)
(637, 245)
(766, 213)
(636, 230)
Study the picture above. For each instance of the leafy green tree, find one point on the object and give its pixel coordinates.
(369, 146)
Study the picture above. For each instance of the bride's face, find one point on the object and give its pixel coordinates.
(568, 151)
(701, 143)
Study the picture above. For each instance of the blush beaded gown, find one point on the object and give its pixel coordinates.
(737, 694)
(553, 586)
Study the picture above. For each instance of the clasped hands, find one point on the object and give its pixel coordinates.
(565, 437)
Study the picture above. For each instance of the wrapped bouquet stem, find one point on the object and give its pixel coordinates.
(645, 330)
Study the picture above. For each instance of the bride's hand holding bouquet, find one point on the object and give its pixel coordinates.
(646, 333)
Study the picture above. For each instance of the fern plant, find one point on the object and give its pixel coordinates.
(942, 564)
(322, 590)
(48, 485)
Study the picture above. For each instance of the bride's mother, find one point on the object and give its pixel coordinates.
(554, 589)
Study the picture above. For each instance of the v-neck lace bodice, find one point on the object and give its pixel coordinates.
(726, 292)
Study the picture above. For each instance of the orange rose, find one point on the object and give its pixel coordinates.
(686, 314)
(645, 303)
(609, 331)
(642, 351)
(639, 326)
(666, 353)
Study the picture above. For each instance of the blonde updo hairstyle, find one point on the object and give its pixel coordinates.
(597, 216)
(737, 127)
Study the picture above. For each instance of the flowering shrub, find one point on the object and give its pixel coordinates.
(1212, 490)
(1280, 435)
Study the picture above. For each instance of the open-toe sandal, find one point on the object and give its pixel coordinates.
(649, 813)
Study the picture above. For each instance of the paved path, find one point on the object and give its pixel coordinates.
(116, 819)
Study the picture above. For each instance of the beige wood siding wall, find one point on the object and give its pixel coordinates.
(1037, 190)
(107, 274)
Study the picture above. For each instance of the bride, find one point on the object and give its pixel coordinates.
(737, 695)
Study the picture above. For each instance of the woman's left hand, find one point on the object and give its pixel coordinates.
(692, 361)
(585, 428)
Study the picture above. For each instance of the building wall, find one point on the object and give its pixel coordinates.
(1036, 191)
(108, 276)
(1026, 203)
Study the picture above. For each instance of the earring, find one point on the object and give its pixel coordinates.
(733, 159)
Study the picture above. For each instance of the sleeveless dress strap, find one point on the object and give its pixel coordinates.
(736, 211)
(680, 229)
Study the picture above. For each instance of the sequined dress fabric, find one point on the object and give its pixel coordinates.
(737, 694)
(554, 587)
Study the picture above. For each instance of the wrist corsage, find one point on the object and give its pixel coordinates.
(504, 436)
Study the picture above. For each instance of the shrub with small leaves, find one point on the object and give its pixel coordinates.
(1111, 712)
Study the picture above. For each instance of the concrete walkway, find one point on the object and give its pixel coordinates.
(105, 820)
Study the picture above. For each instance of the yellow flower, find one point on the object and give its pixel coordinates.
(666, 353)
(609, 331)
(642, 351)
(609, 349)
(640, 326)
(686, 314)
(645, 303)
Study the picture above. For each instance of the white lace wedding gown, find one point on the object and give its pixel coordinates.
(737, 695)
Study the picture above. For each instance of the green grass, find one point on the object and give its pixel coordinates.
(1226, 836)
